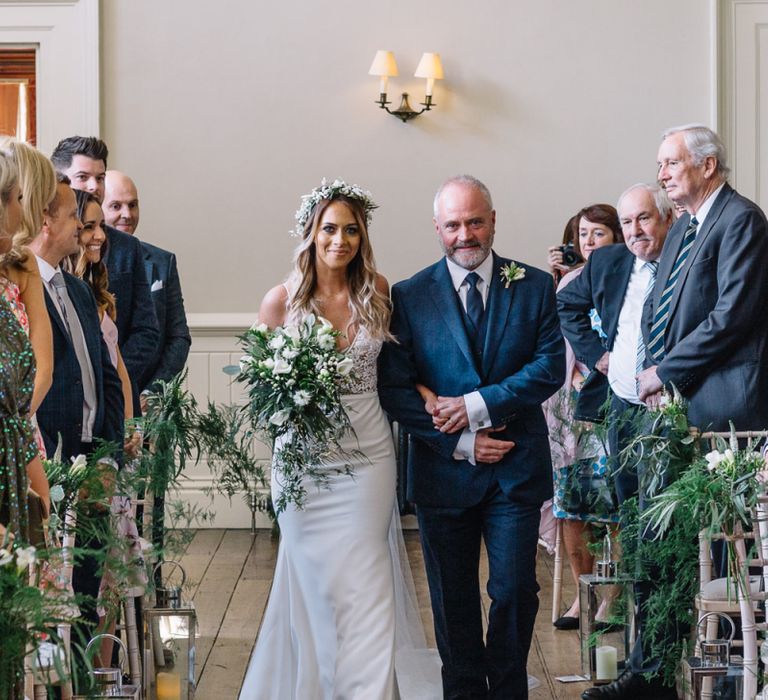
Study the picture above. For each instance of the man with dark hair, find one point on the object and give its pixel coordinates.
(121, 210)
(84, 160)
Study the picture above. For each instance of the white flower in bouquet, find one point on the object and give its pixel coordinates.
(326, 341)
(57, 493)
(79, 465)
(293, 333)
(277, 342)
(713, 459)
(302, 398)
(280, 417)
(290, 353)
(25, 557)
(269, 363)
(5, 557)
(345, 366)
(281, 366)
(259, 327)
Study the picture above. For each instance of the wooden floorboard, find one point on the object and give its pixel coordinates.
(229, 577)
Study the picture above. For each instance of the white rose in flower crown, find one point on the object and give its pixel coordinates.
(277, 342)
(345, 366)
(281, 366)
(79, 464)
(301, 397)
(5, 557)
(57, 493)
(25, 557)
(280, 417)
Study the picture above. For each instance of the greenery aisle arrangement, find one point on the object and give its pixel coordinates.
(294, 376)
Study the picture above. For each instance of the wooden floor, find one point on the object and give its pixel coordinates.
(231, 572)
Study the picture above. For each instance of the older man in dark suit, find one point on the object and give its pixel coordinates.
(121, 210)
(707, 329)
(85, 402)
(616, 282)
(482, 333)
(84, 161)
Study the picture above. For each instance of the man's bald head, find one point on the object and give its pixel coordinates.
(121, 202)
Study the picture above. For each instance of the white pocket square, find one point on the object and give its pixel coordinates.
(157, 285)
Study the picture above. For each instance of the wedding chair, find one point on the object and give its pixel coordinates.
(740, 598)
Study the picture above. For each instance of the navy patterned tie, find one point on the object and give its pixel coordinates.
(661, 317)
(475, 307)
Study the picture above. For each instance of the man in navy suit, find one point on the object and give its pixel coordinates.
(84, 161)
(491, 352)
(121, 210)
(85, 402)
(616, 282)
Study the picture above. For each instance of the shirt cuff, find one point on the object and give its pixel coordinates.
(477, 411)
(465, 447)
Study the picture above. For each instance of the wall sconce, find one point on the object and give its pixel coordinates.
(385, 67)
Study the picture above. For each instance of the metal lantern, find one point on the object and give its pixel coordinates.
(108, 682)
(169, 644)
(715, 661)
(599, 662)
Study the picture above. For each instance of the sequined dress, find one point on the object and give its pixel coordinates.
(332, 629)
(17, 442)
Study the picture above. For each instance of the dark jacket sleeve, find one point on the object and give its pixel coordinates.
(397, 380)
(574, 302)
(140, 345)
(177, 337)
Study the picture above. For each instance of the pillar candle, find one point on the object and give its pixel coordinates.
(606, 667)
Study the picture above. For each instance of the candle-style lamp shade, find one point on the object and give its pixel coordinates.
(385, 67)
(430, 68)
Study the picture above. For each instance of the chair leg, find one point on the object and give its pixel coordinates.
(131, 632)
(557, 578)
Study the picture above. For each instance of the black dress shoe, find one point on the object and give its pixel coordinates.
(631, 686)
(566, 623)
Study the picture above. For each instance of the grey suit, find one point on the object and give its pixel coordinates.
(716, 338)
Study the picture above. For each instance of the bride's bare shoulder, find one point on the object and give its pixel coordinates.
(274, 307)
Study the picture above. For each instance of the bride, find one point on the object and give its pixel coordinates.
(339, 611)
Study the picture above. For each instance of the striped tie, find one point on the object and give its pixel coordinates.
(652, 266)
(660, 319)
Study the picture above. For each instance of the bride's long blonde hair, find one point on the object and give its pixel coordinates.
(368, 306)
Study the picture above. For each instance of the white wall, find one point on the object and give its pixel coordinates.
(226, 112)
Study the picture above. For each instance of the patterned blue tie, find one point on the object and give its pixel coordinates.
(475, 308)
(652, 266)
(661, 317)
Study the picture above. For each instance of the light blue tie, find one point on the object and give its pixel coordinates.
(652, 266)
(661, 317)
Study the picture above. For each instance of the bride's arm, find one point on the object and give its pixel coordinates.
(274, 307)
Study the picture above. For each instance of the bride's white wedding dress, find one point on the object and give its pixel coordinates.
(342, 621)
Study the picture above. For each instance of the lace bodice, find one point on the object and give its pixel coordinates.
(364, 353)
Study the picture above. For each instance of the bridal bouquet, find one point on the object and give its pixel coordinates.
(294, 377)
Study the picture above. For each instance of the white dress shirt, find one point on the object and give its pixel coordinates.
(622, 364)
(477, 411)
(701, 214)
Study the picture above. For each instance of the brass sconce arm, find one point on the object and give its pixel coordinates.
(404, 112)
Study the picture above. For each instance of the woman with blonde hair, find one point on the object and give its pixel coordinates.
(333, 623)
(20, 281)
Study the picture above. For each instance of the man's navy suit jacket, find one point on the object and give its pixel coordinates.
(165, 290)
(522, 364)
(61, 412)
(137, 329)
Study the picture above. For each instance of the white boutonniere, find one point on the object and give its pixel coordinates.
(512, 272)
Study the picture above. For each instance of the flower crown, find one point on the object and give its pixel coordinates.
(337, 189)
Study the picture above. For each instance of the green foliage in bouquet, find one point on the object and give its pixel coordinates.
(226, 436)
(294, 377)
